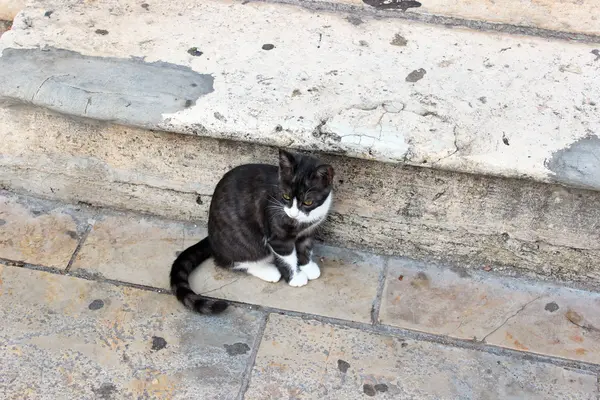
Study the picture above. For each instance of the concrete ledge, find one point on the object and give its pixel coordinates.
(388, 90)
(556, 15)
(516, 226)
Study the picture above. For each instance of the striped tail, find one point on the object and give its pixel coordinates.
(183, 266)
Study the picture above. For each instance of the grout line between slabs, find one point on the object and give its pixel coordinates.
(376, 307)
(82, 240)
(378, 329)
(252, 359)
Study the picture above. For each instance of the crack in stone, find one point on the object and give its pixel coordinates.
(43, 83)
(220, 287)
(511, 317)
(456, 148)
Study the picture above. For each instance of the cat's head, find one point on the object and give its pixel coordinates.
(305, 185)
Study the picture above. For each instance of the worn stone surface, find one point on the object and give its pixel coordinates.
(38, 232)
(573, 16)
(578, 163)
(311, 360)
(346, 289)
(477, 305)
(137, 345)
(134, 248)
(548, 230)
(486, 103)
(139, 94)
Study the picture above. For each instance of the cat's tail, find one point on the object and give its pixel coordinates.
(183, 266)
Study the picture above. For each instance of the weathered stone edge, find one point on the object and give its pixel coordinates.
(445, 20)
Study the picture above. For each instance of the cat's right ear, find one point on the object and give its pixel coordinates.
(286, 162)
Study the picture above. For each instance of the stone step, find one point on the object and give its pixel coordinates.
(516, 226)
(476, 309)
(384, 89)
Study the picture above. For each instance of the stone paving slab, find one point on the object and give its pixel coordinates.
(68, 338)
(300, 359)
(346, 289)
(507, 312)
(38, 232)
(136, 249)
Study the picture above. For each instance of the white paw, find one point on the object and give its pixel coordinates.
(300, 279)
(311, 270)
(269, 274)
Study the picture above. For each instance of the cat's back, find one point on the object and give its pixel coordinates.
(248, 178)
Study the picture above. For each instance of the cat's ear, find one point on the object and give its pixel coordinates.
(325, 173)
(286, 161)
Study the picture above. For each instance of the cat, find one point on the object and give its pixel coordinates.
(262, 220)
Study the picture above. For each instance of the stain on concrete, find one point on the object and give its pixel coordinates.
(399, 40)
(421, 281)
(127, 91)
(193, 51)
(392, 4)
(219, 116)
(48, 13)
(96, 305)
(483, 99)
(146, 6)
(343, 366)
(551, 307)
(578, 164)
(268, 46)
(106, 391)
(354, 20)
(158, 343)
(505, 140)
(72, 234)
(596, 52)
(416, 75)
(369, 390)
(381, 387)
(236, 349)
(102, 32)
(2, 222)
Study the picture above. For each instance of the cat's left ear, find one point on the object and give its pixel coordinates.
(286, 160)
(325, 173)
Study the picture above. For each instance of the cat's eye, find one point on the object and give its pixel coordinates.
(307, 202)
(287, 196)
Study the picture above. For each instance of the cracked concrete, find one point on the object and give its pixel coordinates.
(507, 319)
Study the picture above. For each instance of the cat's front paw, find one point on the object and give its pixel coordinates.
(299, 279)
(311, 270)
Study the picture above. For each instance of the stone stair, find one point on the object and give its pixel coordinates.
(449, 143)
(461, 257)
